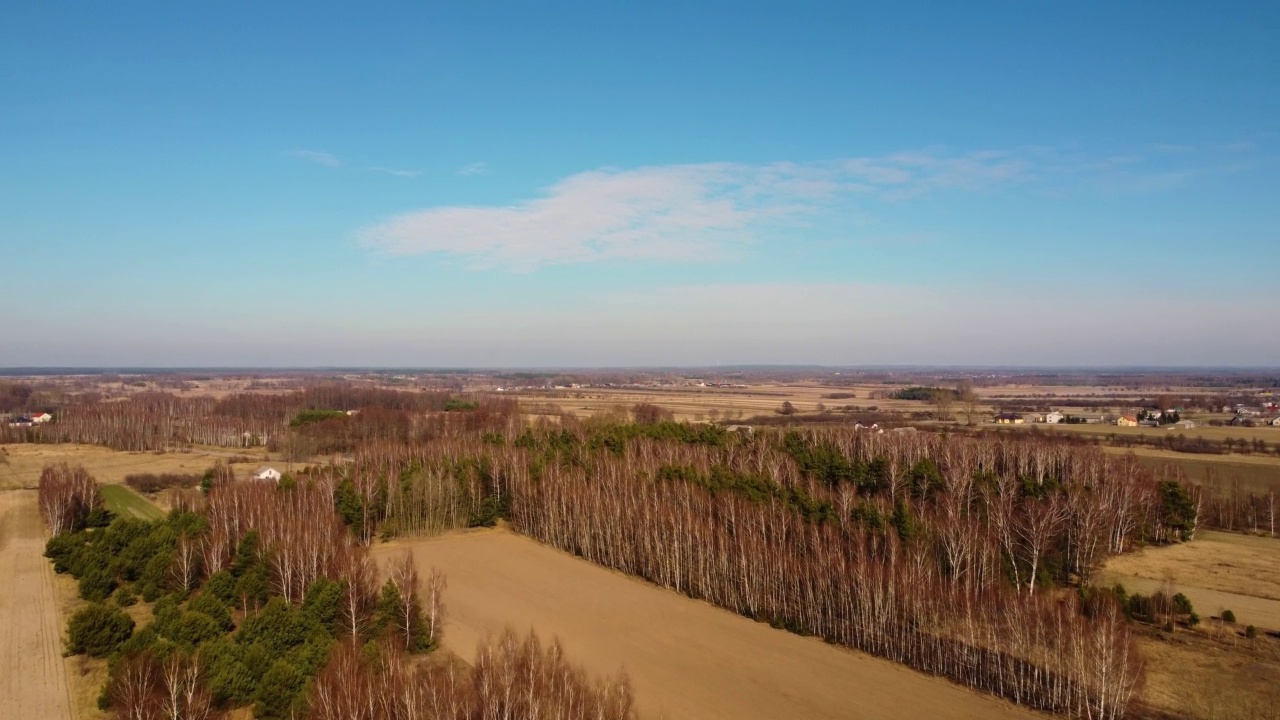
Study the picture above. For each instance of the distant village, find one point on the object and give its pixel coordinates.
(1267, 414)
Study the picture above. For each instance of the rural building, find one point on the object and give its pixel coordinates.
(1127, 421)
(1184, 424)
(41, 418)
(1009, 419)
(1276, 422)
(267, 474)
(1053, 418)
(744, 430)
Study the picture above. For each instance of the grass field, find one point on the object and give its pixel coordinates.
(123, 502)
(1217, 571)
(1211, 672)
(23, 462)
(685, 658)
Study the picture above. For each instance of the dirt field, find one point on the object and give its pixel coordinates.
(1216, 571)
(686, 659)
(25, 461)
(33, 681)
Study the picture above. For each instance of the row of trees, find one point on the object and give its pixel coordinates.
(512, 679)
(156, 421)
(903, 598)
(68, 497)
(928, 550)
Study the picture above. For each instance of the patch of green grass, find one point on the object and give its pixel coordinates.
(123, 502)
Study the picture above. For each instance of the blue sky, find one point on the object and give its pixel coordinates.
(577, 184)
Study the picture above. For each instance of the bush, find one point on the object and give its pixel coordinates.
(208, 604)
(151, 483)
(97, 630)
(1251, 632)
(1228, 616)
(126, 597)
(96, 583)
(193, 628)
(222, 585)
(278, 691)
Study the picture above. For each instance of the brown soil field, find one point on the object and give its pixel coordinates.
(33, 679)
(1216, 571)
(685, 658)
(23, 462)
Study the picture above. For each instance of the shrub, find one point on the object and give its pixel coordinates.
(208, 604)
(1228, 616)
(96, 583)
(97, 630)
(229, 680)
(222, 585)
(1251, 632)
(126, 597)
(278, 691)
(193, 628)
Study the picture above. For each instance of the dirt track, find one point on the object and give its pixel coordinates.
(686, 659)
(33, 682)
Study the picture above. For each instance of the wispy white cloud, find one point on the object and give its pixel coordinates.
(476, 168)
(680, 212)
(396, 172)
(318, 157)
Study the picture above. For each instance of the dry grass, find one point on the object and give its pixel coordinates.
(1216, 571)
(1198, 675)
(685, 657)
(699, 404)
(25, 461)
(33, 673)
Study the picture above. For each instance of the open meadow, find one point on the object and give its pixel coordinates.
(22, 463)
(685, 658)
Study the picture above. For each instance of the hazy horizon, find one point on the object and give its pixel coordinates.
(566, 186)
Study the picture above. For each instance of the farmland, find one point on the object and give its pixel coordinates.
(33, 679)
(942, 565)
(685, 658)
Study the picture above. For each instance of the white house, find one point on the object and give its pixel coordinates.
(1184, 424)
(267, 474)
(1053, 418)
(41, 418)
(1276, 422)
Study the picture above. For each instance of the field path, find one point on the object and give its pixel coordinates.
(33, 681)
(686, 658)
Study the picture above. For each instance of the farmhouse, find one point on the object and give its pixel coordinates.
(267, 474)
(1184, 424)
(1276, 422)
(1127, 421)
(1009, 419)
(1053, 418)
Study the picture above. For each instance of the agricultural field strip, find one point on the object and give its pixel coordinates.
(120, 500)
(33, 680)
(685, 657)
